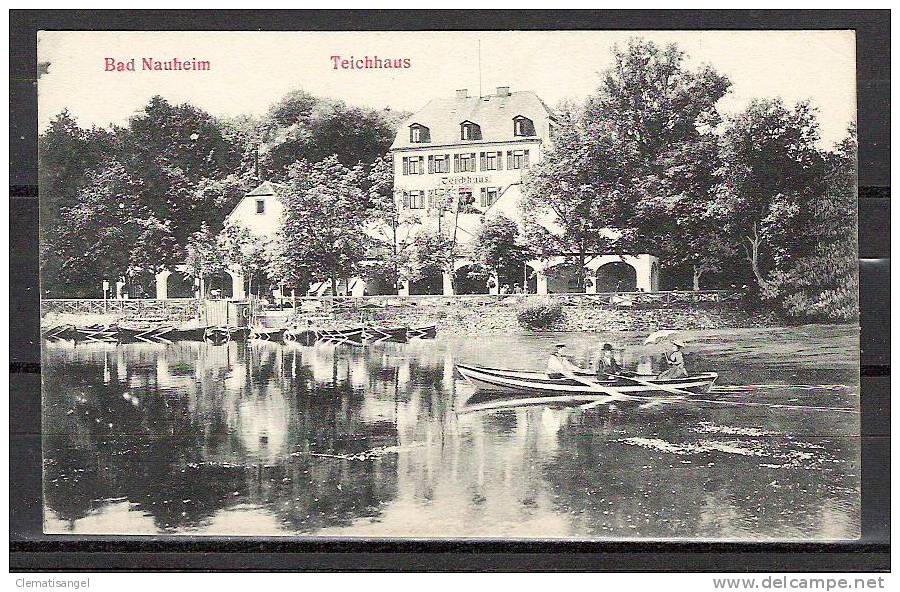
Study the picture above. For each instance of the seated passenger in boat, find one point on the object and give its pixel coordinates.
(607, 364)
(675, 360)
(557, 364)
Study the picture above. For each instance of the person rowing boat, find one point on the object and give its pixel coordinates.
(607, 365)
(558, 365)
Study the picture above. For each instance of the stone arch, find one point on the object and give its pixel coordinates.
(564, 277)
(140, 285)
(179, 285)
(431, 283)
(616, 276)
(379, 286)
(472, 278)
(221, 281)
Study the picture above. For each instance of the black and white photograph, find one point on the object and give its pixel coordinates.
(504, 285)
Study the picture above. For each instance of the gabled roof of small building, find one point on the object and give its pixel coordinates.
(493, 114)
(265, 188)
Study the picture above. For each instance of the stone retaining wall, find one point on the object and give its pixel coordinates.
(454, 315)
(482, 316)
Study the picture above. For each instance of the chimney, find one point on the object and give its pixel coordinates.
(462, 93)
(502, 91)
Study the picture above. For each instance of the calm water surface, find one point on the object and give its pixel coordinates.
(272, 439)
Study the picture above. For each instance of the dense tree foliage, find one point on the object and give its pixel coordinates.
(179, 168)
(323, 231)
(499, 249)
(821, 282)
(572, 194)
(650, 165)
(302, 126)
(390, 227)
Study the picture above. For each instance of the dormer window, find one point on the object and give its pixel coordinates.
(418, 134)
(522, 126)
(469, 131)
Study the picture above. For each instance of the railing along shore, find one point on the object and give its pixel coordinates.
(187, 306)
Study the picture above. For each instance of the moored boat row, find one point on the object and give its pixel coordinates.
(168, 333)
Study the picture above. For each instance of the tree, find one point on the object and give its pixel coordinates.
(432, 255)
(572, 194)
(192, 165)
(67, 155)
(203, 257)
(661, 118)
(389, 226)
(653, 103)
(772, 174)
(497, 247)
(242, 249)
(102, 229)
(323, 232)
(303, 127)
(689, 221)
(822, 283)
(154, 250)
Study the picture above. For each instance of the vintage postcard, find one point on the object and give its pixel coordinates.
(590, 285)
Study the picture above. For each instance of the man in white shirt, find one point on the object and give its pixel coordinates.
(557, 364)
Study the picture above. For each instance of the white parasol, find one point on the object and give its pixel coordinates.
(657, 335)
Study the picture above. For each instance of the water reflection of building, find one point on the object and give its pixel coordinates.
(224, 436)
(217, 426)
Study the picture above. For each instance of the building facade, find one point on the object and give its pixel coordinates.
(477, 150)
(471, 155)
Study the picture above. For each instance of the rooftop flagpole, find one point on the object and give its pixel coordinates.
(479, 68)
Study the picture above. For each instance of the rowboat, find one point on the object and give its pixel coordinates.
(427, 332)
(382, 334)
(346, 336)
(522, 383)
(106, 333)
(153, 334)
(59, 332)
(266, 334)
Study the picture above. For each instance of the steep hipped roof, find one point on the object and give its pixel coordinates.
(494, 114)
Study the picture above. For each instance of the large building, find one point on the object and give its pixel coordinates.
(478, 149)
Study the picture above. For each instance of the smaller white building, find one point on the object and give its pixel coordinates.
(259, 211)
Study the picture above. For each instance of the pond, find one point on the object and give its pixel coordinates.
(270, 439)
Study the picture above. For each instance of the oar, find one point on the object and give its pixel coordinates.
(655, 386)
(611, 394)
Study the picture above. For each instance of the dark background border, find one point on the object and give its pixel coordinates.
(31, 550)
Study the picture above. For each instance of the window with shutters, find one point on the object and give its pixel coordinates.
(417, 200)
(439, 163)
(490, 161)
(469, 131)
(489, 196)
(414, 165)
(517, 159)
(465, 197)
(522, 126)
(464, 163)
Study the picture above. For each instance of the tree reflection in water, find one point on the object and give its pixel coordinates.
(266, 438)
